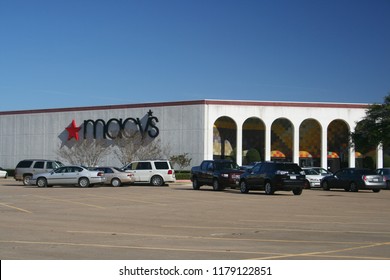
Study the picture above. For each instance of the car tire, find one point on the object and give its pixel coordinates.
(157, 180)
(387, 185)
(297, 191)
(325, 186)
(216, 186)
(26, 180)
(116, 182)
(353, 187)
(84, 182)
(195, 184)
(376, 190)
(269, 190)
(244, 187)
(41, 182)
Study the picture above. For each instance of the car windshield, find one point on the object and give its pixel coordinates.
(311, 172)
(119, 169)
(59, 164)
(226, 165)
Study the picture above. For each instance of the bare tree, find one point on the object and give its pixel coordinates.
(88, 152)
(137, 147)
(181, 160)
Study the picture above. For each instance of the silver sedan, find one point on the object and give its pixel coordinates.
(68, 175)
(116, 176)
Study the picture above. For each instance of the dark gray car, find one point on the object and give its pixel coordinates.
(385, 172)
(354, 179)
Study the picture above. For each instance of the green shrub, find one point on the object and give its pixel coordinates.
(252, 155)
(183, 175)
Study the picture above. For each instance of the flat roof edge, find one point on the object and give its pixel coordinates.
(193, 102)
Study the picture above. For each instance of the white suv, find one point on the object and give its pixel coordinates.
(155, 172)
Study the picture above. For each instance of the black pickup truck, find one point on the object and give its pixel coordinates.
(217, 173)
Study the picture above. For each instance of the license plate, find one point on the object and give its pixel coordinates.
(293, 177)
(375, 180)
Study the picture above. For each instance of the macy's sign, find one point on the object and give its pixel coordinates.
(115, 128)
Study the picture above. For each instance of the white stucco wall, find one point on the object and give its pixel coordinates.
(186, 127)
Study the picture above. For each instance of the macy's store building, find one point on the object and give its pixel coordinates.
(306, 133)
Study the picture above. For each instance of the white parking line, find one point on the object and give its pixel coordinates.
(17, 208)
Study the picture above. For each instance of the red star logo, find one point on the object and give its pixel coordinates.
(73, 131)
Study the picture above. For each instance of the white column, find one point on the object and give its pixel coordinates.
(324, 147)
(296, 144)
(267, 142)
(239, 145)
(379, 156)
(351, 158)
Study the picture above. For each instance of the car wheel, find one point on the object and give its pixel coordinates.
(42, 182)
(268, 188)
(26, 179)
(353, 187)
(297, 191)
(115, 182)
(195, 184)
(376, 190)
(244, 187)
(83, 182)
(216, 186)
(388, 185)
(325, 186)
(157, 181)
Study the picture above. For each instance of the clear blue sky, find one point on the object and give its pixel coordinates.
(66, 53)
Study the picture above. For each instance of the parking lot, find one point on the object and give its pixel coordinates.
(177, 222)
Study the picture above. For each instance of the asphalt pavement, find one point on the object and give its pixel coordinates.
(175, 222)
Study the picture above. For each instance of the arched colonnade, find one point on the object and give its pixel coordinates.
(308, 142)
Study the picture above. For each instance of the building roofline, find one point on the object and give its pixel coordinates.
(194, 102)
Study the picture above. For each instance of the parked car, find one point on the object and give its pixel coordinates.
(273, 176)
(155, 172)
(217, 173)
(385, 172)
(354, 179)
(3, 173)
(25, 169)
(68, 175)
(115, 176)
(314, 176)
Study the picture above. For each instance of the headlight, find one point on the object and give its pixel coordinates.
(224, 175)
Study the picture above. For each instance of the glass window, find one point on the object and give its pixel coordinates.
(39, 164)
(144, 165)
(24, 164)
(161, 165)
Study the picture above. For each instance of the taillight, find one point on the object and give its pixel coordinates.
(364, 178)
(100, 174)
(170, 172)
